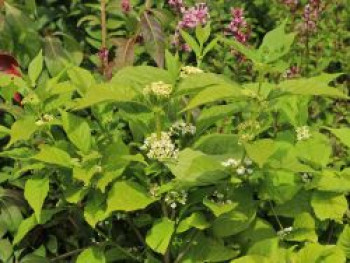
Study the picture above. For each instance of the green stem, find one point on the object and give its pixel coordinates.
(158, 124)
(275, 215)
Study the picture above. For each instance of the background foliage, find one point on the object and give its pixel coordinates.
(174, 131)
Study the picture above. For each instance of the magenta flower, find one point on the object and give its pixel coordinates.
(239, 27)
(126, 6)
(176, 4)
(191, 18)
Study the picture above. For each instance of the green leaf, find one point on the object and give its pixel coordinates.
(94, 211)
(196, 220)
(91, 255)
(314, 86)
(191, 42)
(128, 196)
(303, 229)
(197, 168)
(219, 209)
(329, 205)
(260, 151)
(81, 78)
(344, 241)
(206, 249)
(203, 33)
(238, 219)
(84, 174)
(105, 93)
(342, 134)
(35, 192)
(219, 144)
(250, 53)
(213, 94)
(53, 155)
(35, 68)
(158, 238)
(276, 44)
(29, 223)
(22, 130)
(316, 150)
(251, 259)
(6, 250)
(78, 131)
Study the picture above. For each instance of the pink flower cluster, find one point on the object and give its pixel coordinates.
(194, 16)
(176, 4)
(191, 18)
(239, 27)
(311, 15)
(126, 6)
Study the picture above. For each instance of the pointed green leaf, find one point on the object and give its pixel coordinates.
(35, 68)
(35, 192)
(158, 238)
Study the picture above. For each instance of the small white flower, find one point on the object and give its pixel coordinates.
(159, 89)
(98, 169)
(241, 170)
(303, 133)
(189, 70)
(231, 163)
(250, 171)
(173, 205)
(284, 232)
(248, 161)
(160, 149)
(181, 128)
(173, 198)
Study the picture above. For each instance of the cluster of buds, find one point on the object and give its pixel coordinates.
(192, 17)
(306, 177)
(189, 70)
(177, 5)
(284, 232)
(220, 198)
(181, 128)
(311, 15)
(248, 130)
(239, 27)
(292, 72)
(174, 198)
(46, 118)
(160, 148)
(158, 89)
(125, 6)
(242, 168)
(303, 133)
(292, 4)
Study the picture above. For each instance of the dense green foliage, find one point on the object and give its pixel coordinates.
(120, 145)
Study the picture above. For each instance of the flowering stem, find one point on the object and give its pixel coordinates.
(104, 61)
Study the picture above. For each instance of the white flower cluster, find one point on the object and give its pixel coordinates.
(303, 133)
(181, 128)
(219, 198)
(173, 198)
(189, 70)
(306, 177)
(248, 130)
(160, 149)
(242, 168)
(284, 232)
(159, 89)
(44, 120)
